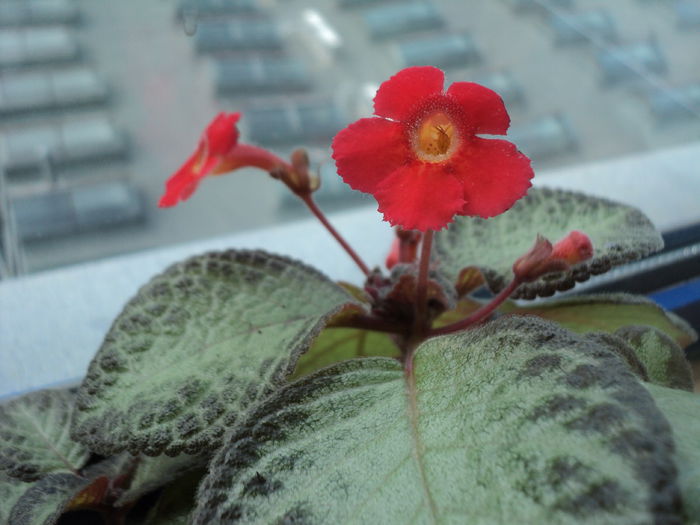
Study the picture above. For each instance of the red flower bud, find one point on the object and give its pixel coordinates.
(392, 259)
(544, 258)
(573, 248)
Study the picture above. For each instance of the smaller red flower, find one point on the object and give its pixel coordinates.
(218, 152)
(422, 158)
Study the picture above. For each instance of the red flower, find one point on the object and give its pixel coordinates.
(218, 152)
(422, 159)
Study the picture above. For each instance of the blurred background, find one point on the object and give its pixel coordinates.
(100, 101)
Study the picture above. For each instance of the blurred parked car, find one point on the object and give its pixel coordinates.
(36, 45)
(397, 19)
(630, 61)
(39, 12)
(214, 8)
(688, 14)
(540, 5)
(503, 83)
(94, 206)
(545, 137)
(674, 104)
(358, 3)
(443, 50)
(584, 26)
(73, 141)
(294, 122)
(255, 74)
(46, 90)
(232, 35)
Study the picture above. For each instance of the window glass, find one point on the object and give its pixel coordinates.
(101, 101)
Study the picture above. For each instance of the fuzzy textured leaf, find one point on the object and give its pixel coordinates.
(338, 344)
(682, 409)
(517, 421)
(196, 347)
(663, 359)
(45, 500)
(34, 435)
(619, 234)
(608, 313)
(11, 490)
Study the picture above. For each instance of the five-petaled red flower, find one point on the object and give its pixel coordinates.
(421, 156)
(218, 152)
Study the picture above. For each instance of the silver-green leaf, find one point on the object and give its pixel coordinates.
(35, 436)
(517, 421)
(682, 409)
(196, 347)
(619, 234)
(663, 359)
(45, 500)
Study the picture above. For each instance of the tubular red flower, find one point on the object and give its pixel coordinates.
(218, 151)
(421, 158)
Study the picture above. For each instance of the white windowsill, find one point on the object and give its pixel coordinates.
(52, 323)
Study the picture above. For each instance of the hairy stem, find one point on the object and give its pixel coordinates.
(421, 307)
(308, 200)
(481, 314)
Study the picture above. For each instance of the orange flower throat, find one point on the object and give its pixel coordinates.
(435, 138)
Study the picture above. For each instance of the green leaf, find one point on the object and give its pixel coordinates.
(154, 472)
(619, 234)
(517, 421)
(34, 436)
(682, 409)
(663, 359)
(196, 347)
(11, 490)
(338, 344)
(608, 313)
(45, 500)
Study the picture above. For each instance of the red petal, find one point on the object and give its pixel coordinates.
(398, 97)
(483, 109)
(221, 134)
(368, 150)
(420, 196)
(494, 175)
(182, 183)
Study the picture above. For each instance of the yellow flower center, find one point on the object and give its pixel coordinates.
(435, 138)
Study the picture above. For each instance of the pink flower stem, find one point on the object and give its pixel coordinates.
(421, 306)
(481, 314)
(309, 201)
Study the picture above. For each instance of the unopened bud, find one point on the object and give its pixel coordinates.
(298, 178)
(574, 248)
(392, 258)
(544, 258)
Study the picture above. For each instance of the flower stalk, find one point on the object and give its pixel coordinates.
(311, 204)
(421, 306)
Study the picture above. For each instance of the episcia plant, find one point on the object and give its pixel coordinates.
(246, 387)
